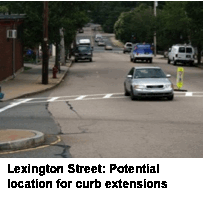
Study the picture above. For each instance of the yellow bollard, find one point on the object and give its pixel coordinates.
(180, 75)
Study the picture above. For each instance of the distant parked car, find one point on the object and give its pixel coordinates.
(101, 43)
(81, 30)
(83, 53)
(127, 47)
(108, 47)
(182, 54)
(1, 94)
(98, 37)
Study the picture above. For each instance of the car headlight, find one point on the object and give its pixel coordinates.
(138, 87)
(168, 85)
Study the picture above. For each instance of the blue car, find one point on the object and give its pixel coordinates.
(1, 94)
(141, 52)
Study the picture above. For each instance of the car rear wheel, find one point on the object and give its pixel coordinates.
(150, 60)
(76, 60)
(134, 60)
(90, 59)
(168, 61)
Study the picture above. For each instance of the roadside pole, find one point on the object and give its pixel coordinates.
(62, 46)
(45, 45)
(155, 41)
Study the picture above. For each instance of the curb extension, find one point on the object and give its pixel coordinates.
(23, 143)
(40, 91)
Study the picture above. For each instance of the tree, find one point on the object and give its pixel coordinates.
(68, 15)
(172, 25)
(3, 9)
(136, 25)
(194, 11)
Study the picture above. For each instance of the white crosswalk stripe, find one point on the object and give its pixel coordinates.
(107, 96)
(80, 97)
(87, 97)
(52, 99)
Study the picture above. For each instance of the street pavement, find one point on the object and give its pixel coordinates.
(91, 117)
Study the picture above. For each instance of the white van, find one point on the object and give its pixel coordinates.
(98, 37)
(181, 54)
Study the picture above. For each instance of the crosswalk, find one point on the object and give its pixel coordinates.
(98, 96)
(17, 102)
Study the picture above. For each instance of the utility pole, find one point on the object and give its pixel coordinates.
(45, 45)
(155, 40)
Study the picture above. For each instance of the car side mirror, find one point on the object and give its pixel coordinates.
(129, 76)
(168, 75)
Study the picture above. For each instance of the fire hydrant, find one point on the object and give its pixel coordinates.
(55, 70)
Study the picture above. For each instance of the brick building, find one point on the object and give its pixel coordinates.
(11, 50)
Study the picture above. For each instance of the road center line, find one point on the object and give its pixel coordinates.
(14, 104)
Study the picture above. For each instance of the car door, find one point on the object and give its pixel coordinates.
(181, 53)
(129, 80)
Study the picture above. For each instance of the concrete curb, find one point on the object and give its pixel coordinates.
(40, 91)
(23, 143)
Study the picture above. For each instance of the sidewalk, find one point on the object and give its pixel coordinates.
(29, 81)
(17, 139)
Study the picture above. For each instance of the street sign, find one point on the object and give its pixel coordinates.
(180, 74)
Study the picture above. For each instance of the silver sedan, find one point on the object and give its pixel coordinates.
(148, 82)
(101, 43)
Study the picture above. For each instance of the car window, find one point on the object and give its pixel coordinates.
(149, 73)
(181, 49)
(188, 50)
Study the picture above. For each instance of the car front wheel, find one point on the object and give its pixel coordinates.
(170, 98)
(132, 95)
(126, 93)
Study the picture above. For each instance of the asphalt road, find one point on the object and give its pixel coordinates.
(94, 119)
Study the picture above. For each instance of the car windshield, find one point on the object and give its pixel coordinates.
(149, 73)
(130, 45)
(83, 48)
